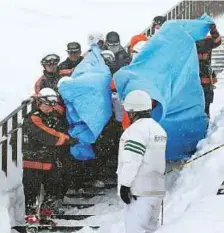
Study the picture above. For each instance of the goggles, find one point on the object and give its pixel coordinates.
(48, 100)
(51, 59)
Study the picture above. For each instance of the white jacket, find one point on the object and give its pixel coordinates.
(141, 159)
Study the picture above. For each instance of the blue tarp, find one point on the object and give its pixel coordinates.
(87, 97)
(167, 68)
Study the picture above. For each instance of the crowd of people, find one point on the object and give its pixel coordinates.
(141, 160)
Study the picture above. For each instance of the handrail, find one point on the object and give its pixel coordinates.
(13, 113)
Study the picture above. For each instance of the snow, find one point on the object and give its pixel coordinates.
(220, 25)
(4, 215)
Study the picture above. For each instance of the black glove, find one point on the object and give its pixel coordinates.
(213, 29)
(73, 141)
(125, 193)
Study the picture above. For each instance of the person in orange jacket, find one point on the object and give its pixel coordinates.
(45, 147)
(207, 76)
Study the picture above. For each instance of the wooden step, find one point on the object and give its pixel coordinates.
(62, 228)
(83, 195)
(78, 206)
(70, 216)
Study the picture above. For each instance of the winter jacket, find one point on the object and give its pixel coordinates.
(43, 138)
(141, 159)
(47, 80)
(67, 66)
(122, 58)
(204, 48)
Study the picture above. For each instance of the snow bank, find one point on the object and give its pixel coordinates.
(12, 202)
(15, 193)
(4, 201)
(193, 204)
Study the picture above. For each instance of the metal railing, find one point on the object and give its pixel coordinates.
(11, 124)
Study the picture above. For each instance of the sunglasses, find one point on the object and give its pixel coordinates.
(73, 51)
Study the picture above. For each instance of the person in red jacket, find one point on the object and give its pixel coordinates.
(50, 75)
(45, 148)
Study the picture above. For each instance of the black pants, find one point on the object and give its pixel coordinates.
(209, 96)
(32, 180)
(106, 149)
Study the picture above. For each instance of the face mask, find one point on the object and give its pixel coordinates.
(114, 48)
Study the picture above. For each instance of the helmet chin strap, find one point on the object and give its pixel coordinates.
(134, 116)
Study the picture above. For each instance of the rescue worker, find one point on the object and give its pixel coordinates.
(112, 43)
(50, 75)
(137, 41)
(207, 76)
(157, 23)
(74, 58)
(45, 144)
(141, 165)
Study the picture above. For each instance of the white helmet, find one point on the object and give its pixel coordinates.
(137, 101)
(94, 37)
(108, 56)
(48, 96)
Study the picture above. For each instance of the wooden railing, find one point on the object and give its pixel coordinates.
(12, 152)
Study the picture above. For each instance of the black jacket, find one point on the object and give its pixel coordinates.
(122, 58)
(43, 136)
(68, 64)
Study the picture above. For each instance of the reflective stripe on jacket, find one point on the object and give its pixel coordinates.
(37, 165)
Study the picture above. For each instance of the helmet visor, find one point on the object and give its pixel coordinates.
(48, 100)
(50, 59)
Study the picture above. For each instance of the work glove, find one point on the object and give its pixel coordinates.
(73, 141)
(125, 193)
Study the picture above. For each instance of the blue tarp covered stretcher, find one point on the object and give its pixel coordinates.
(87, 97)
(167, 68)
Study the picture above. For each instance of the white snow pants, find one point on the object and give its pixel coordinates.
(142, 215)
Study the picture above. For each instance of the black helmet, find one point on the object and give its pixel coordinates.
(159, 20)
(74, 47)
(112, 38)
(50, 59)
